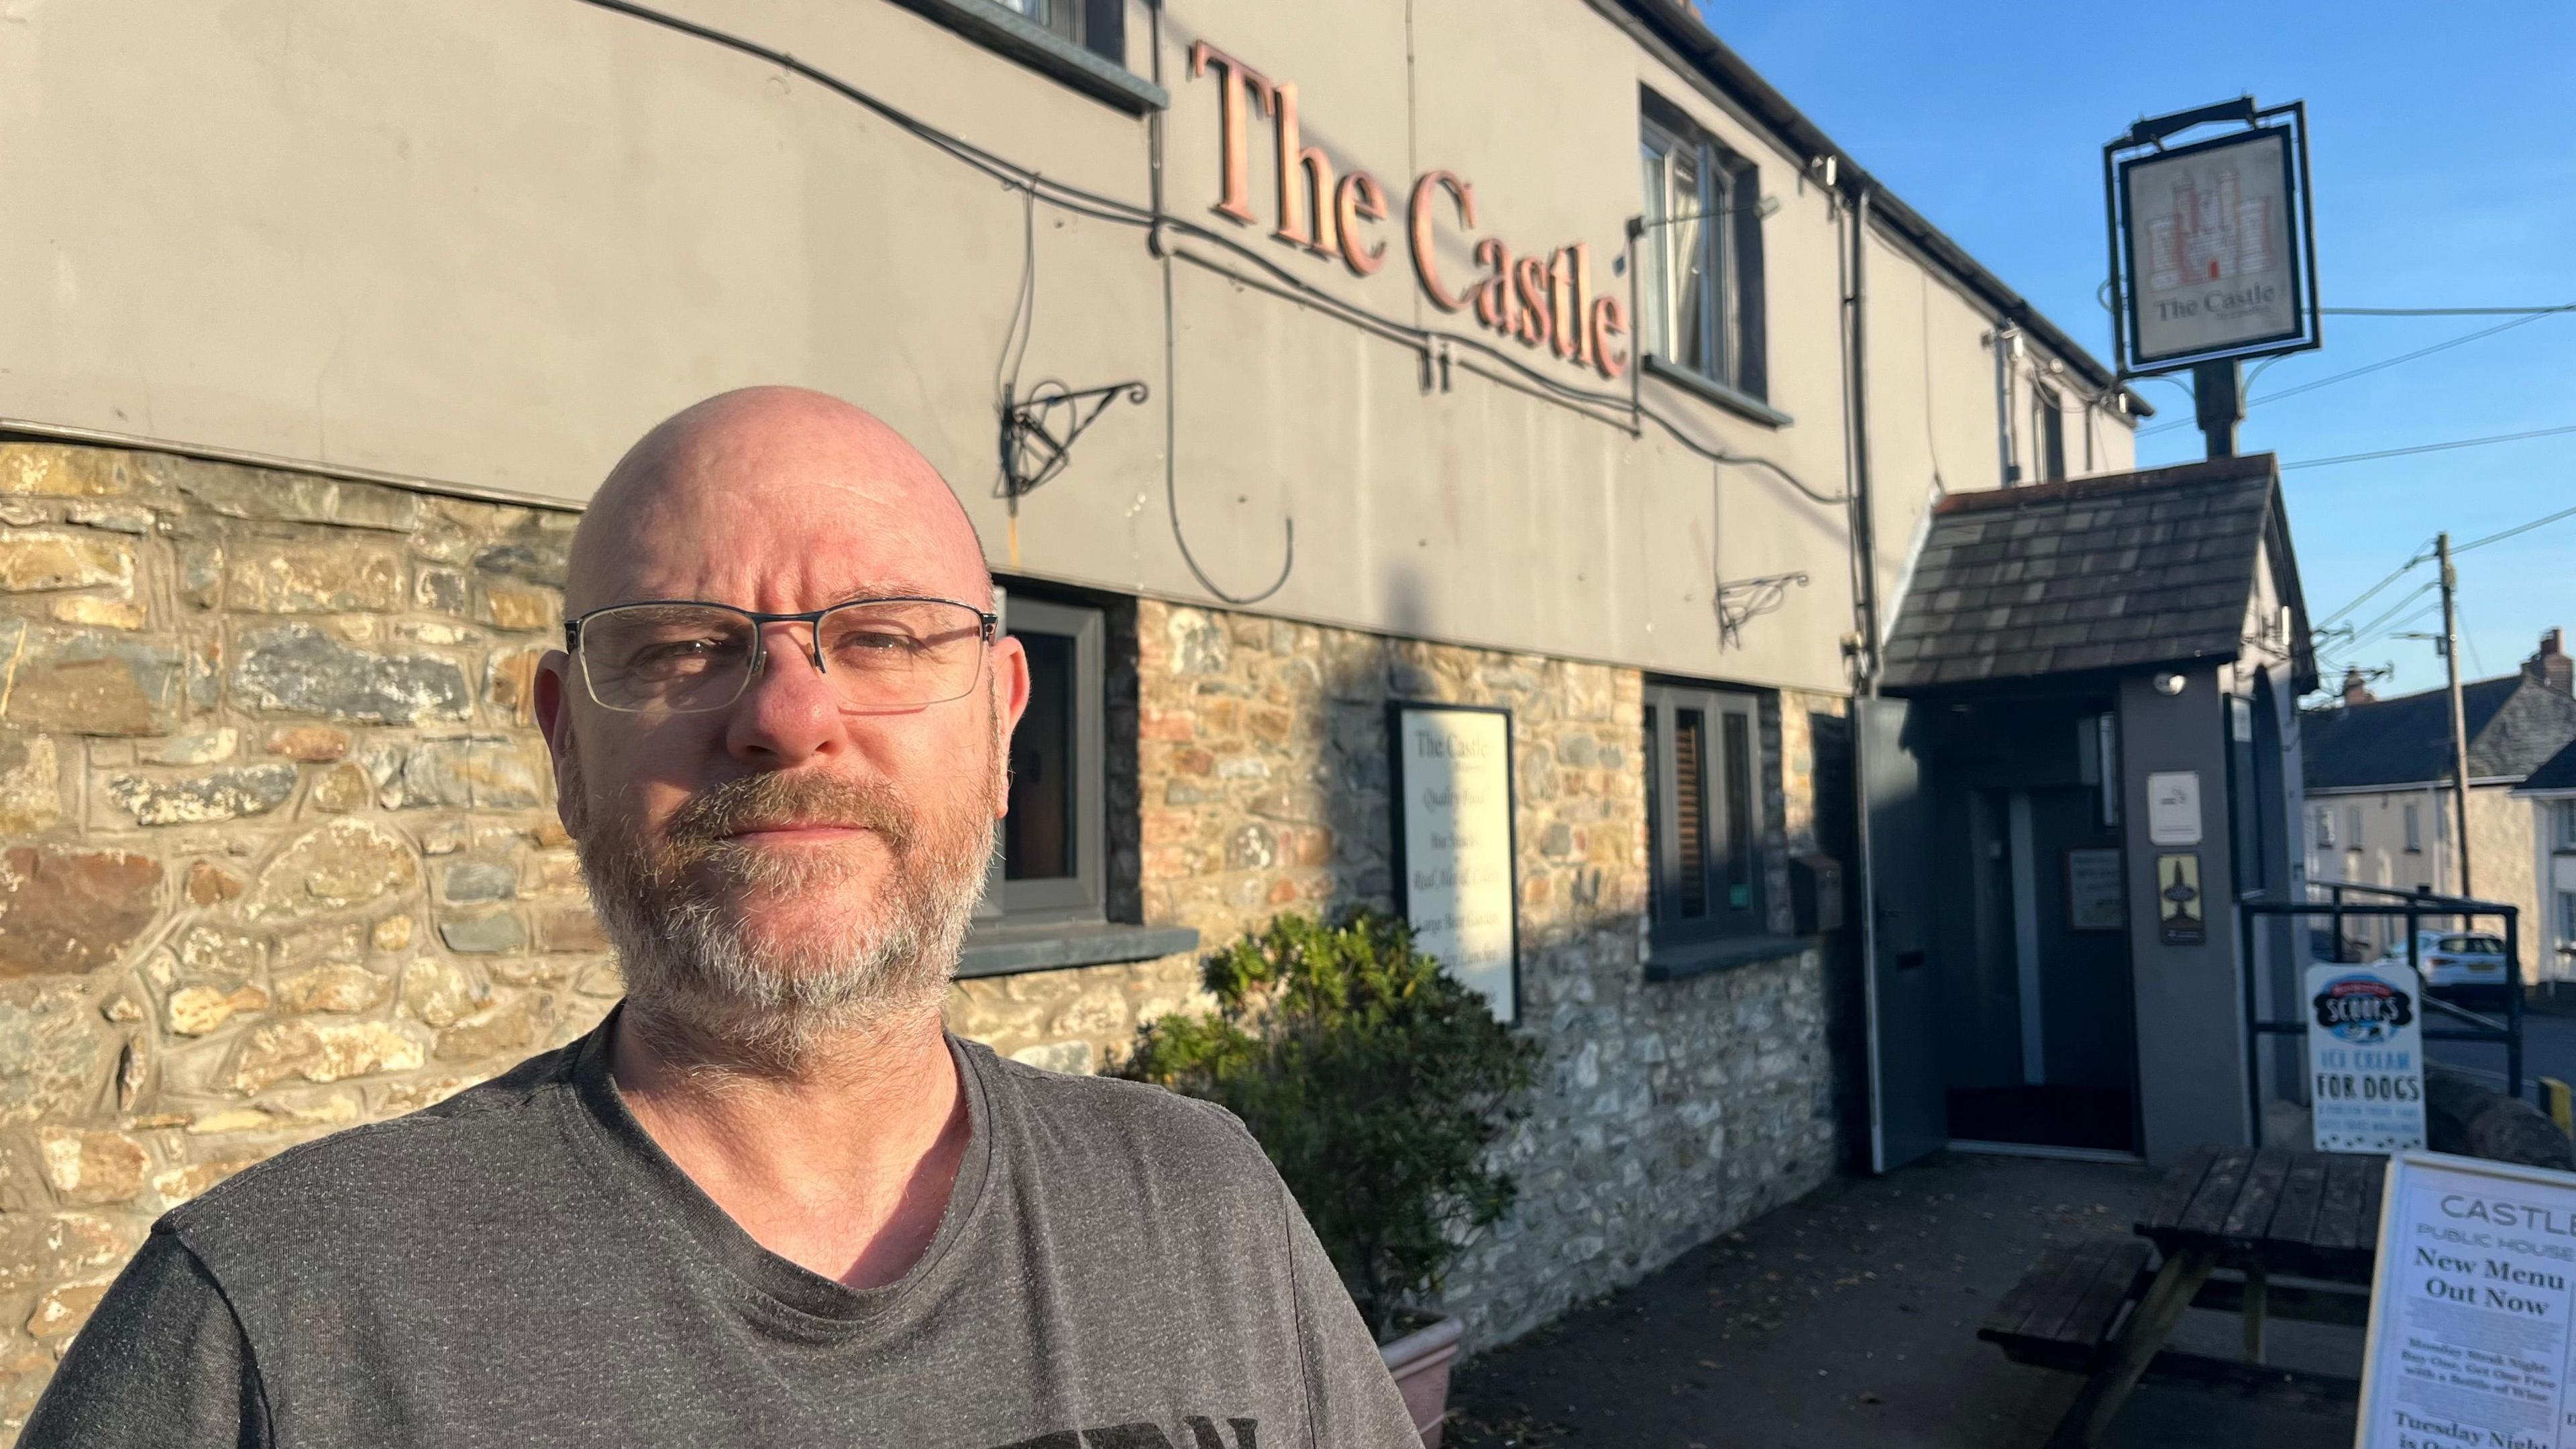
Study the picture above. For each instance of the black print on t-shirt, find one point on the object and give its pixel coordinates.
(1202, 1435)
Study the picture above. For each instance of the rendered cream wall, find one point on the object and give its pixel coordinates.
(485, 243)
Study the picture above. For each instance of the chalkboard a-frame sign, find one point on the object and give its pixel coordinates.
(1457, 851)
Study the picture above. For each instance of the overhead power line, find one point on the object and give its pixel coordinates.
(2429, 448)
(2360, 636)
(2401, 572)
(2510, 532)
(2364, 370)
(2445, 311)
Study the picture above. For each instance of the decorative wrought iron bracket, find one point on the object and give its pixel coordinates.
(1034, 451)
(1744, 600)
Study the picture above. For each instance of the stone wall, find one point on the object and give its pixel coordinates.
(277, 845)
(1666, 1113)
(278, 855)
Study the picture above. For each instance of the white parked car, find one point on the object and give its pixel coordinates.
(2457, 963)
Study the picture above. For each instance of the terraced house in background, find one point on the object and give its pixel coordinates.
(1297, 363)
(2383, 808)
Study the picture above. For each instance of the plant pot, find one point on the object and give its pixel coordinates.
(1420, 1363)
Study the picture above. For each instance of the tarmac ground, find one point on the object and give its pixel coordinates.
(1850, 1317)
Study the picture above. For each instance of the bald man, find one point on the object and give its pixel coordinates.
(769, 1200)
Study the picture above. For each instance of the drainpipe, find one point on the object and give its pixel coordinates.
(1864, 523)
(1864, 526)
(2007, 342)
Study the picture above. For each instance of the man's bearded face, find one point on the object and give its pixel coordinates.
(770, 947)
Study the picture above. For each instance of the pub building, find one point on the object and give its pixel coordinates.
(1527, 380)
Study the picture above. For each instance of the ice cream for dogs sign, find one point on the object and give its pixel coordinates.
(1453, 785)
(2469, 1310)
(2365, 1057)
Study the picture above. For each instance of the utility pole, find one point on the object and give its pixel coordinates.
(2459, 711)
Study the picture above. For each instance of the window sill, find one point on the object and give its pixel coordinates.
(1709, 389)
(1011, 950)
(1033, 45)
(1675, 963)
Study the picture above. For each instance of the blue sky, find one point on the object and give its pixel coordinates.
(2445, 159)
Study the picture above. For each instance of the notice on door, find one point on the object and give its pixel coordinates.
(2469, 1311)
(1453, 780)
(2365, 1057)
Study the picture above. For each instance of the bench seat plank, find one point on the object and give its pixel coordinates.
(2062, 1312)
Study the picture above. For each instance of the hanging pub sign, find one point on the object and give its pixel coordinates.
(1452, 781)
(2365, 1057)
(2472, 1305)
(2213, 244)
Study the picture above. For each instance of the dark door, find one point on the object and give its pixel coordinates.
(1908, 1107)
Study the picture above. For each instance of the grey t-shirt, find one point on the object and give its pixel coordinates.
(1117, 1268)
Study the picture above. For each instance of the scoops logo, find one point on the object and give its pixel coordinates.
(2363, 1010)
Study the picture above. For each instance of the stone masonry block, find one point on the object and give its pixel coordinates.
(81, 681)
(298, 669)
(36, 560)
(64, 911)
(202, 799)
(321, 576)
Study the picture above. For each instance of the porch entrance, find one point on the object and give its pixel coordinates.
(2046, 1039)
(2003, 981)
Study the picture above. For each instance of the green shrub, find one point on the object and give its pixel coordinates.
(1375, 1081)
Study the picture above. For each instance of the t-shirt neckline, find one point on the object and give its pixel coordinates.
(631, 1166)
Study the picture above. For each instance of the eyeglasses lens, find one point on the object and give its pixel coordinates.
(682, 658)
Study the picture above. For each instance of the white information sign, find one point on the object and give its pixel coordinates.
(2366, 1057)
(2173, 807)
(2469, 1311)
(2213, 251)
(1454, 784)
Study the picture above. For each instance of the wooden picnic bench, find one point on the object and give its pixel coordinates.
(2224, 1227)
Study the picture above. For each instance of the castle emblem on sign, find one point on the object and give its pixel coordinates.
(2212, 234)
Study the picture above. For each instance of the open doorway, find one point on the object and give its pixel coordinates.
(2031, 945)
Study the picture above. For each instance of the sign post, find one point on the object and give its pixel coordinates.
(2470, 1308)
(2365, 1057)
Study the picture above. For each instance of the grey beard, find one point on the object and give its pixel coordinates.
(700, 988)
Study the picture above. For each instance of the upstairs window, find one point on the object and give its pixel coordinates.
(2414, 826)
(2566, 824)
(1098, 26)
(1701, 254)
(2048, 433)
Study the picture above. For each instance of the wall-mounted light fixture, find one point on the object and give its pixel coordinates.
(2169, 683)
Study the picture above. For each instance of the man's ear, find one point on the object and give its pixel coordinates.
(551, 694)
(1010, 701)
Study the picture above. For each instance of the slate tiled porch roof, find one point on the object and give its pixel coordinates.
(2120, 573)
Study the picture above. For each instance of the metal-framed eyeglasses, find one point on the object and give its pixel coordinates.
(689, 656)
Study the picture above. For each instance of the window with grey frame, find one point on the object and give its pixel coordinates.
(2566, 812)
(1700, 254)
(1098, 26)
(1051, 864)
(1703, 815)
(2048, 435)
